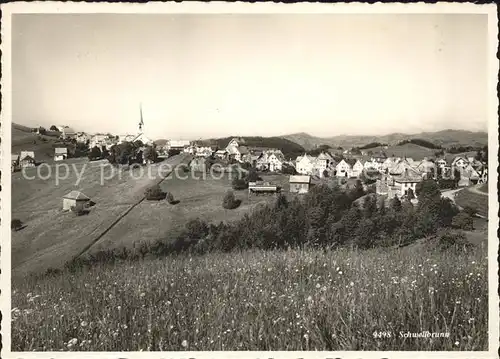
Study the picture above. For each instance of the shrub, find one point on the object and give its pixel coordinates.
(229, 201)
(155, 193)
(463, 221)
(79, 210)
(253, 176)
(16, 224)
(471, 211)
(452, 239)
(239, 184)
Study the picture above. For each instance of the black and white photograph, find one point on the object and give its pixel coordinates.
(249, 178)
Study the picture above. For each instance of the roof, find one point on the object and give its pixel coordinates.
(400, 167)
(14, 157)
(300, 179)
(221, 151)
(77, 196)
(26, 154)
(409, 175)
(243, 150)
(61, 150)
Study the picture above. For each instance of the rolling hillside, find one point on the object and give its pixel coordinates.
(445, 138)
(25, 140)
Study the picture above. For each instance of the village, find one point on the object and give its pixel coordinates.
(390, 176)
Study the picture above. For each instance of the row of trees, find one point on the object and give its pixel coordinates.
(332, 217)
(125, 153)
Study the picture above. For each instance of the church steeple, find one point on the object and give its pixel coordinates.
(141, 122)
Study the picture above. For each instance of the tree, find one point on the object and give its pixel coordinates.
(95, 153)
(253, 176)
(410, 194)
(230, 201)
(239, 184)
(150, 154)
(54, 128)
(369, 206)
(326, 174)
(196, 229)
(16, 224)
(155, 193)
(395, 204)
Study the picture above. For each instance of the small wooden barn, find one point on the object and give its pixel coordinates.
(75, 199)
(300, 184)
(60, 153)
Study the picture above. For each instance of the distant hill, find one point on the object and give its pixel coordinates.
(445, 138)
(289, 148)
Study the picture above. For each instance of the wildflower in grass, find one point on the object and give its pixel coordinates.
(184, 343)
(457, 343)
(84, 323)
(72, 342)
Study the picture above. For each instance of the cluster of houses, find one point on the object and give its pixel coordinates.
(23, 159)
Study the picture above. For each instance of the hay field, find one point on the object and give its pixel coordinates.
(52, 237)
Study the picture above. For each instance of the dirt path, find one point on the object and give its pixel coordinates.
(475, 189)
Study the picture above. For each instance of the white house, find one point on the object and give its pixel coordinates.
(68, 132)
(27, 159)
(357, 169)
(441, 163)
(60, 153)
(389, 163)
(343, 169)
(221, 154)
(305, 164)
(459, 162)
(407, 180)
(275, 162)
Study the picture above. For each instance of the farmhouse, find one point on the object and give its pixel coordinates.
(61, 153)
(75, 199)
(468, 176)
(426, 166)
(441, 163)
(300, 184)
(357, 169)
(27, 159)
(222, 154)
(407, 180)
(305, 164)
(459, 162)
(275, 162)
(343, 169)
(261, 187)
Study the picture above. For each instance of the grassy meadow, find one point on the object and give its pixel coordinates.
(198, 198)
(472, 199)
(261, 300)
(52, 237)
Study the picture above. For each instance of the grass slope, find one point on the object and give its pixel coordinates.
(254, 300)
(52, 237)
(465, 198)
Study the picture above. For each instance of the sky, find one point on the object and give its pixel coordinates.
(211, 75)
